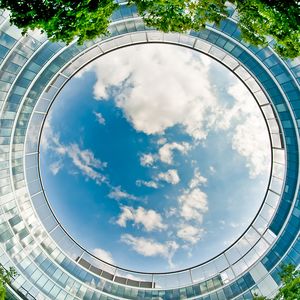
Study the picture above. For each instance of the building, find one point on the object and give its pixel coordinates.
(49, 263)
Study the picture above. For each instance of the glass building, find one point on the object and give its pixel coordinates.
(50, 264)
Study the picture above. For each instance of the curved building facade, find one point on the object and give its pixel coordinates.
(49, 263)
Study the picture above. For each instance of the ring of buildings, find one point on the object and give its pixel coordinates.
(50, 264)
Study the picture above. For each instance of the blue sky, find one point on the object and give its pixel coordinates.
(154, 158)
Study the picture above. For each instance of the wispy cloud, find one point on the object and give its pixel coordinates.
(189, 233)
(236, 224)
(86, 162)
(172, 211)
(171, 176)
(250, 135)
(149, 219)
(83, 159)
(212, 170)
(150, 247)
(256, 154)
(150, 184)
(104, 255)
(188, 102)
(100, 119)
(166, 151)
(147, 159)
(197, 180)
(161, 141)
(56, 166)
(193, 204)
(117, 193)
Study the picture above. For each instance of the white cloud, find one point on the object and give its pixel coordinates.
(47, 133)
(172, 211)
(147, 159)
(150, 247)
(117, 193)
(162, 141)
(150, 219)
(237, 225)
(197, 180)
(86, 162)
(193, 204)
(51, 140)
(56, 167)
(150, 184)
(190, 233)
(228, 242)
(166, 151)
(83, 159)
(125, 216)
(100, 118)
(212, 170)
(171, 176)
(256, 154)
(250, 136)
(103, 255)
(186, 100)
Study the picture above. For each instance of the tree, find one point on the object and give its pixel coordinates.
(5, 278)
(259, 19)
(180, 15)
(290, 290)
(290, 278)
(62, 20)
(281, 5)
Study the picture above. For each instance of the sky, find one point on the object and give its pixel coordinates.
(154, 157)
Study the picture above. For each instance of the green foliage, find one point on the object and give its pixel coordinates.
(180, 15)
(258, 19)
(277, 19)
(2, 292)
(5, 278)
(259, 298)
(290, 289)
(62, 20)
(290, 278)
